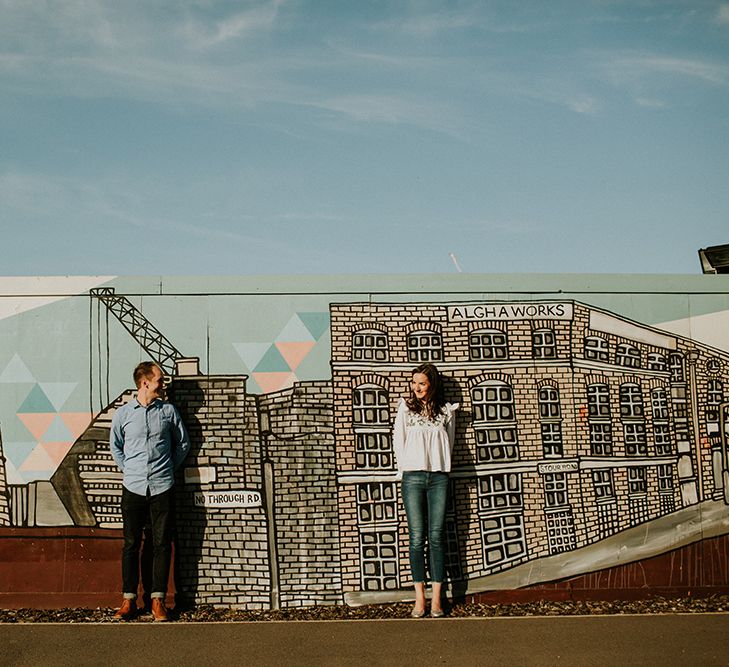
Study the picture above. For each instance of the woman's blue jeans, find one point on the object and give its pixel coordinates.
(424, 495)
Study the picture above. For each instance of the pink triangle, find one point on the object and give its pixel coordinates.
(38, 461)
(37, 422)
(56, 450)
(295, 353)
(76, 422)
(269, 382)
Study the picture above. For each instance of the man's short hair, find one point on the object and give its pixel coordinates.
(143, 370)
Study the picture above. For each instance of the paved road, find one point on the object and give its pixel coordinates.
(666, 640)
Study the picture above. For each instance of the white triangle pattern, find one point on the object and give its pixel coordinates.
(16, 371)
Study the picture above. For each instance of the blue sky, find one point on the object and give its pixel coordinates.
(293, 136)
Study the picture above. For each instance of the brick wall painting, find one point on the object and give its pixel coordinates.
(592, 431)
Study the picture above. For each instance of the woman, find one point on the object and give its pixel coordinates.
(423, 442)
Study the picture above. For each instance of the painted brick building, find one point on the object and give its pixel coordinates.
(575, 424)
(256, 496)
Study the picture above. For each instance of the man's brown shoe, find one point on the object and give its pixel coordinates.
(159, 611)
(127, 611)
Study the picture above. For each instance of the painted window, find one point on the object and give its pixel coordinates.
(632, 415)
(371, 406)
(369, 345)
(635, 439)
(662, 438)
(659, 402)
(661, 426)
(714, 397)
(544, 344)
(637, 477)
(552, 444)
(596, 349)
(555, 489)
(665, 478)
(376, 502)
(657, 362)
(488, 345)
(675, 364)
(500, 492)
(550, 421)
(371, 419)
(494, 422)
(598, 401)
(493, 402)
(373, 450)
(503, 539)
(561, 531)
(601, 439)
(631, 401)
(549, 407)
(627, 355)
(599, 422)
(378, 560)
(602, 482)
(425, 346)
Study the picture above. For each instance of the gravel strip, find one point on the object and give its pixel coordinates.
(204, 613)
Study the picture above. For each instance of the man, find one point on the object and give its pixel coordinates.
(148, 442)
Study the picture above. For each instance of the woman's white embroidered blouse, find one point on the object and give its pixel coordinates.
(421, 443)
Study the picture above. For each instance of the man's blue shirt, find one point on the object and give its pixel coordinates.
(148, 444)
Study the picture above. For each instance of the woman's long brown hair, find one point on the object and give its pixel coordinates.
(434, 400)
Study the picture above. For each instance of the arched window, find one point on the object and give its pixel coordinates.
(659, 403)
(488, 345)
(544, 344)
(657, 361)
(633, 418)
(369, 345)
(425, 346)
(596, 349)
(675, 364)
(549, 407)
(627, 355)
(599, 421)
(631, 401)
(494, 422)
(598, 401)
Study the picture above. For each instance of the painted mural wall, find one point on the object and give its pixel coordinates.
(593, 431)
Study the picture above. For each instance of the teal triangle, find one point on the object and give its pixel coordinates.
(36, 401)
(16, 371)
(17, 452)
(316, 323)
(272, 362)
(57, 432)
(58, 392)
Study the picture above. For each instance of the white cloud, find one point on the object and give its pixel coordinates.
(429, 24)
(632, 67)
(650, 103)
(395, 110)
(253, 20)
(556, 91)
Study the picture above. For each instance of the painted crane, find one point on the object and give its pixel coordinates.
(159, 348)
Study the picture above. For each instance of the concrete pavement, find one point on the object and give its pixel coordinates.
(681, 639)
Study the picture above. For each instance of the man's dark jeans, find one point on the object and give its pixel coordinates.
(136, 511)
